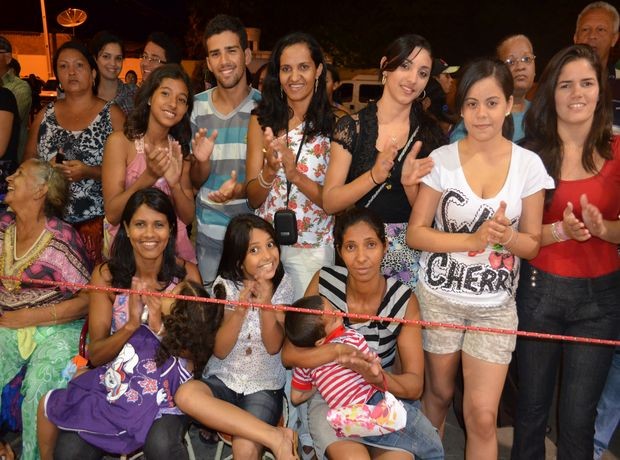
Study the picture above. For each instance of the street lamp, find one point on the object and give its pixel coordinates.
(46, 40)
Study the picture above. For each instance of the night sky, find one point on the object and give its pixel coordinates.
(354, 32)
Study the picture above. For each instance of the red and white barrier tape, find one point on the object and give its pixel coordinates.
(537, 335)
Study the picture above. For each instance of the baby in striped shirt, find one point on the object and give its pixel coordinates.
(341, 387)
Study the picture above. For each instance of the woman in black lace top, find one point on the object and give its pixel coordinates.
(379, 155)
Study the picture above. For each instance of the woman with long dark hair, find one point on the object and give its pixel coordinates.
(108, 51)
(142, 256)
(152, 152)
(377, 156)
(573, 286)
(288, 149)
(477, 214)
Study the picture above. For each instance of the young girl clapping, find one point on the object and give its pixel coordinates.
(245, 368)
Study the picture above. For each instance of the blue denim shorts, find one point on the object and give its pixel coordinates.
(419, 437)
(265, 405)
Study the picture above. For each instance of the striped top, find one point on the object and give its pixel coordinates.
(338, 385)
(229, 153)
(381, 336)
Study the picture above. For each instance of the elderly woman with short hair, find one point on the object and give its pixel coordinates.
(40, 323)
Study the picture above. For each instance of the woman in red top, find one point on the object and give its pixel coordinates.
(573, 286)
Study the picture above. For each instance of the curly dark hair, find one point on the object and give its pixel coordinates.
(122, 263)
(138, 119)
(225, 23)
(273, 109)
(190, 328)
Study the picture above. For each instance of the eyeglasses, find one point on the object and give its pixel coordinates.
(525, 60)
(152, 59)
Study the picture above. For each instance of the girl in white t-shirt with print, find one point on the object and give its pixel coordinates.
(485, 196)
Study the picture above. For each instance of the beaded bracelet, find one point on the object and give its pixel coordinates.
(555, 233)
(262, 182)
(559, 226)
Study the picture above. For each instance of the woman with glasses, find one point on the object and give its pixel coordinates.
(160, 49)
(72, 132)
(107, 49)
(517, 53)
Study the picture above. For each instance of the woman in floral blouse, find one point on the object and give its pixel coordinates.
(288, 150)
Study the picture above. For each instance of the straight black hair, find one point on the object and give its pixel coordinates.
(541, 120)
(236, 243)
(304, 329)
(273, 110)
(122, 263)
(482, 68)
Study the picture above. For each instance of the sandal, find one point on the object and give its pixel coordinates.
(292, 454)
(208, 436)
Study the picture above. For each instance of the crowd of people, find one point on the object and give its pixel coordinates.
(499, 211)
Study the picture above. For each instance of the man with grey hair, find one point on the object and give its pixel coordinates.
(597, 26)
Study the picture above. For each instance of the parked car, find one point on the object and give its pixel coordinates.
(356, 93)
(49, 91)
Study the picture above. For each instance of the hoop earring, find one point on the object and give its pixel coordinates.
(423, 95)
(316, 84)
(281, 92)
(384, 78)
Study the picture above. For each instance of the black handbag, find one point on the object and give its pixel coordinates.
(285, 220)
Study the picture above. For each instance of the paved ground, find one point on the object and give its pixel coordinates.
(454, 444)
